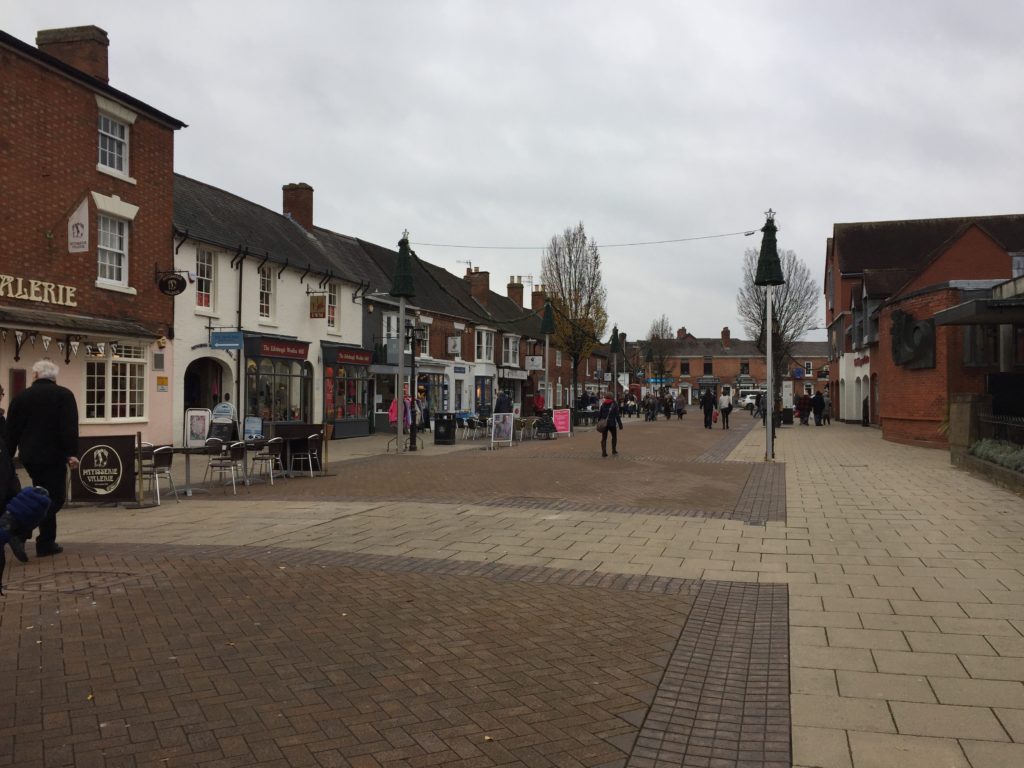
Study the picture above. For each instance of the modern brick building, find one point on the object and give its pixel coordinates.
(884, 283)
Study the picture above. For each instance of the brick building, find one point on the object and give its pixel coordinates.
(884, 284)
(86, 180)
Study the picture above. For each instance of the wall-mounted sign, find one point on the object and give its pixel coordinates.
(171, 284)
(78, 229)
(263, 347)
(535, 362)
(226, 339)
(162, 383)
(354, 356)
(37, 290)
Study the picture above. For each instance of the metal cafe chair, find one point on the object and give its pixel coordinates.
(160, 467)
(231, 461)
(311, 455)
(269, 458)
(215, 451)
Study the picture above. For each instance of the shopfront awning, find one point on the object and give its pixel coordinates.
(26, 319)
(983, 312)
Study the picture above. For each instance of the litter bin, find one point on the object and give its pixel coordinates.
(444, 429)
(787, 415)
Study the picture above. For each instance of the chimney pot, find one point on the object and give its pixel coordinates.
(84, 48)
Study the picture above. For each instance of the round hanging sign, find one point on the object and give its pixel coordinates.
(171, 284)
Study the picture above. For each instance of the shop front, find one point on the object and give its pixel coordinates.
(511, 380)
(432, 388)
(348, 390)
(278, 381)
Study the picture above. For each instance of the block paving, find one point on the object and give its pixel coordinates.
(857, 603)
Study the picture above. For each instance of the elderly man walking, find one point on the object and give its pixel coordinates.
(42, 427)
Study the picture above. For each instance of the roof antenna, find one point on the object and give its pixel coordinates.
(467, 262)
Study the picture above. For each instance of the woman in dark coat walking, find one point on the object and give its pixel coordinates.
(609, 411)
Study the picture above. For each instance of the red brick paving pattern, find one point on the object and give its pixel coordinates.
(172, 661)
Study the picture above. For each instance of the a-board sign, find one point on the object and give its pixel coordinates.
(563, 421)
(501, 428)
(252, 427)
(106, 469)
(197, 426)
(223, 429)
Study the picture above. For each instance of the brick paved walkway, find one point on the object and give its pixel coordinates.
(681, 604)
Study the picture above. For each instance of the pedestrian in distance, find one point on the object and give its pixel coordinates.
(680, 405)
(818, 407)
(707, 404)
(725, 408)
(609, 412)
(42, 428)
(826, 413)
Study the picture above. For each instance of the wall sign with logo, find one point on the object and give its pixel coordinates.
(171, 283)
(286, 348)
(106, 469)
(317, 306)
(78, 229)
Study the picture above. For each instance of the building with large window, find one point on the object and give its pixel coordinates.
(87, 211)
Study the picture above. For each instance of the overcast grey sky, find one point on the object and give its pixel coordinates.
(501, 124)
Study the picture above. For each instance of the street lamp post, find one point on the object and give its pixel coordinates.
(415, 333)
(402, 288)
(615, 349)
(769, 274)
(547, 327)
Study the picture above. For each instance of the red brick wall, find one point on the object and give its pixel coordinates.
(48, 167)
(913, 403)
(974, 256)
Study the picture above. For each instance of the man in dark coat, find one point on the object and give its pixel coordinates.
(42, 427)
(707, 404)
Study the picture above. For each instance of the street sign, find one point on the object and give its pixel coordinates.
(226, 339)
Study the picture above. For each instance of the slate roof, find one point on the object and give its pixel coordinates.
(912, 243)
(804, 349)
(211, 215)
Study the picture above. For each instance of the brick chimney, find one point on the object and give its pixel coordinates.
(681, 333)
(515, 289)
(298, 201)
(84, 48)
(538, 298)
(479, 284)
(725, 337)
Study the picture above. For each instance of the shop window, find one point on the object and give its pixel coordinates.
(112, 253)
(115, 381)
(205, 266)
(279, 390)
(459, 384)
(266, 293)
(346, 392)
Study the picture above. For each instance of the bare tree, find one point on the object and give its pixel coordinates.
(659, 342)
(794, 305)
(571, 273)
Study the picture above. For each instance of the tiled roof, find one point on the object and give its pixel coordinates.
(911, 243)
(801, 349)
(213, 216)
(881, 283)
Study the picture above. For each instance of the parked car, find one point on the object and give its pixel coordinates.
(749, 401)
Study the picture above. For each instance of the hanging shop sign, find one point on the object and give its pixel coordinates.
(37, 290)
(226, 339)
(78, 229)
(171, 284)
(317, 306)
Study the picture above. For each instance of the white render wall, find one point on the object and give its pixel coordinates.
(290, 317)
